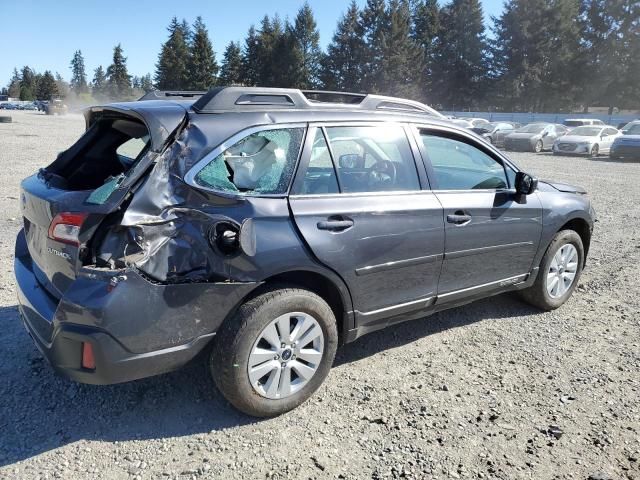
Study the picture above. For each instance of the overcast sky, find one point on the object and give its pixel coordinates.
(44, 34)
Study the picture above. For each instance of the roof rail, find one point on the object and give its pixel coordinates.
(170, 94)
(224, 99)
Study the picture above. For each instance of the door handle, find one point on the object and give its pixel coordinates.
(335, 224)
(459, 218)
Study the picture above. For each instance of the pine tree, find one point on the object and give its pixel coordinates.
(375, 23)
(62, 85)
(425, 28)
(610, 53)
(47, 87)
(27, 84)
(286, 63)
(343, 65)
(307, 43)
(146, 84)
(402, 58)
(460, 64)
(99, 83)
(118, 79)
(268, 37)
(202, 68)
(231, 69)
(14, 84)
(78, 74)
(171, 69)
(250, 73)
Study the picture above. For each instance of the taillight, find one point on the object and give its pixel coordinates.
(88, 359)
(65, 227)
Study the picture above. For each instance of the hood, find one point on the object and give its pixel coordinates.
(529, 136)
(160, 116)
(563, 187)
(628, 139)
(576, 139)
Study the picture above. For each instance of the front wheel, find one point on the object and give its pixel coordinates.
(559, 272)
(595, 150)
(538, 146)
(275, 352)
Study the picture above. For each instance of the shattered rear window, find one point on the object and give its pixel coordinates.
(261, 163)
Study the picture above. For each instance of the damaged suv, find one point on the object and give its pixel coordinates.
(266, 226)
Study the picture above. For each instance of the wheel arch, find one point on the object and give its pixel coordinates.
(583, 229)
(332, 290)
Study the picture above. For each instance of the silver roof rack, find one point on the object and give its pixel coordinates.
(224, 99)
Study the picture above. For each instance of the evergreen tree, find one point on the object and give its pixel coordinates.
(47, 87)
(62, 85)
(460, 63)
(535, 55)
(231, 69)
(250, 75)
(146, 84)
(27, 84)
(402, 58)
(425, 29)
(14, 84)
(171, 69)
(610, 53)
(118, 79)
(307, 42)
(78, 74)
(343, 65)
(202, 67)
(286, 62)
(375, 25)
(99, 83)
(268, 38)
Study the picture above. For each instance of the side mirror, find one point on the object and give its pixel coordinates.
(544, 134)
(525, 183)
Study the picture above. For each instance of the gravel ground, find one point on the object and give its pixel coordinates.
(495, 389)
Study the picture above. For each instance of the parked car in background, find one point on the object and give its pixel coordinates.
(476, 122)
(10, 106)
(535, 137)
(461, 122)
(29, 106)
(264, 229)
(590, 140)
(579, 122)
(626, 126)
(495, 132)
(627, 146)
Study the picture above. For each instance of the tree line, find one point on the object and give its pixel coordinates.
(537, 55)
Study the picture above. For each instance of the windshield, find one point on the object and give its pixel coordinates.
(632, 129)
(586, 131)
(533, 128)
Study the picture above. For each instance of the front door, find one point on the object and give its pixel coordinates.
(358, 203)
(491, 235)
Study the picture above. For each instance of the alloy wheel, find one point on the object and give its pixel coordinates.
(562, 271)
(286, 355)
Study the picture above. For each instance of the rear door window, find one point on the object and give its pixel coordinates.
(373, 158)
(260, 163)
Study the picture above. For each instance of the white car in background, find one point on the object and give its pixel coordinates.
(587, 140)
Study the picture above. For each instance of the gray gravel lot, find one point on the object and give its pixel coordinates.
(495, 389)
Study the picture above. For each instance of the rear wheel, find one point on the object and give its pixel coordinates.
(538, 146)
(275, 352)
(595, 150)
(559, 272)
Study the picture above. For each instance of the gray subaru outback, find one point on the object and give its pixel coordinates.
(266, 226)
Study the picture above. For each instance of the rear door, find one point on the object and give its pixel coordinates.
(357, 201)
(491, 235)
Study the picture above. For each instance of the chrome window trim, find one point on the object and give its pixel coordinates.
(190, 176)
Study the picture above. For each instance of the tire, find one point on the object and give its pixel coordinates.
(538, 294)
(243, 333)
(595, 150)
(538, 146)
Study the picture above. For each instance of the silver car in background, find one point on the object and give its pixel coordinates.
(535, 137)
(588, 140)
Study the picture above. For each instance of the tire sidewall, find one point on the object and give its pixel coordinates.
(538, 147)
(561, 239)
(236, 345)
(595, 150)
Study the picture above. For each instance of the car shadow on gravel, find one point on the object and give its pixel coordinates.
(40, 411)
(501, 306)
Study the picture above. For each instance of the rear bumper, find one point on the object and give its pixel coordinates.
(136, 328)
(625, 151)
